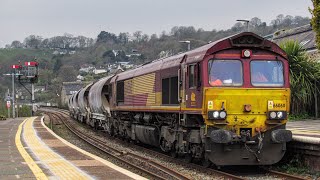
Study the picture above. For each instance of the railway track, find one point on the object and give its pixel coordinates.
(148, 167)
(174, 174)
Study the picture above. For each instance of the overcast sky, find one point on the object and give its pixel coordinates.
(47, 18)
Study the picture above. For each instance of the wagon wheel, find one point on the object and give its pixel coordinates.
(173, 151)
(111, 131)
(163, 145)
(206, 162)
(188, 158)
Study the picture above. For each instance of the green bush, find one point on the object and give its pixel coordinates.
(304, 73)
(24, 111)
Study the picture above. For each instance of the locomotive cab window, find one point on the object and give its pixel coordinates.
(225, 73)
(170, 91)
(267, 73)
(192, 76)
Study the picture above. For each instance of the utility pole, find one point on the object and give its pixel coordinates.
(8, 99)
(32, 98)
(13, 97)
(17, 97)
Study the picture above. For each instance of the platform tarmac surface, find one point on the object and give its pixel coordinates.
(305, 130)
(30, 150)
(12, 164)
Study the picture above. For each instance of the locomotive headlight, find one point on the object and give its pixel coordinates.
(279, 114)
(273, 115)
(215, 114)
(246, 53)
(223, 114)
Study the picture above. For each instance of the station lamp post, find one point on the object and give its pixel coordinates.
(246, 22)
(187, 42)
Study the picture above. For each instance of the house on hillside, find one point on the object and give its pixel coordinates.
(99, 71)
(304, 35)
(69, 88)
(87, 69)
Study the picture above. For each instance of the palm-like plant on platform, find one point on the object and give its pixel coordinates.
(304, 73)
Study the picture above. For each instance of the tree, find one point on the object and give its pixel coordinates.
(255, 22)
(33, 41)
(67, 74)
(106, 37)
(57, 65)
(315, 21)
(16, 44)
(123, 38)
(145, 38)
(44, 43)
(137, 36)
(182, 32)
(237, 27)
(287, 21)
(153, 37)
(121, 57)
(109, 56)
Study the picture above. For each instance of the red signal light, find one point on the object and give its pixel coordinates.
(16, 66)
(31, 63)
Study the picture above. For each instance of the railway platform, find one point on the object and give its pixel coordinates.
(28, 149)
(306, 141)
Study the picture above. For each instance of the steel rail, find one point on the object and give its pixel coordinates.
(198, 167)
(285, 175)
(177, 161)
(102, 146)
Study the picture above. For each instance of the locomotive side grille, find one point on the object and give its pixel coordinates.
(143, 90)
(128, 96)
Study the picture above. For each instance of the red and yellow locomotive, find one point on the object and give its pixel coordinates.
(224, 103)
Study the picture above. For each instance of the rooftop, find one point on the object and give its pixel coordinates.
(304, 35)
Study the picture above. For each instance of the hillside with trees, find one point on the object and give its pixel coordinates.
(61, 57)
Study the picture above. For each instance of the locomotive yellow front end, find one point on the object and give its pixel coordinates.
(246, 107)
(247, 126)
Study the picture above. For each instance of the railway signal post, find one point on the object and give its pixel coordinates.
(29, 75)
(24, 74)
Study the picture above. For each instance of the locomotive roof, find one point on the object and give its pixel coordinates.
(197, 55)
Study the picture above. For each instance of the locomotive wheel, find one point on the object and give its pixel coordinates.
(111, 132)
(206, 163)
(188, 158)
(173, 153)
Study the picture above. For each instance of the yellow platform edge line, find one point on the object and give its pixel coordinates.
(103, 161)
(38, 173)
(58, 165)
